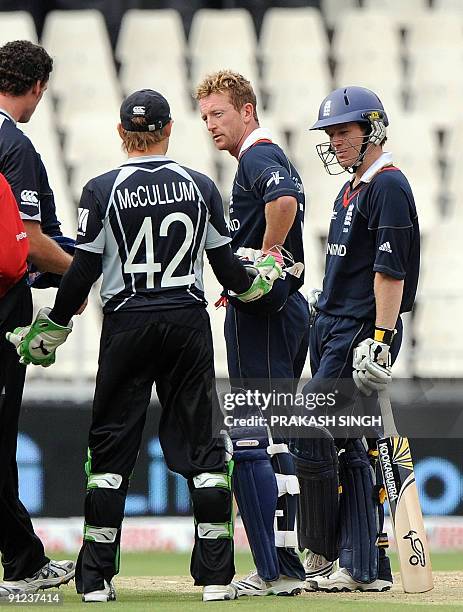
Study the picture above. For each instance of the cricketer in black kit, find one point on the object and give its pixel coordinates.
(371, 276)
(145, 225)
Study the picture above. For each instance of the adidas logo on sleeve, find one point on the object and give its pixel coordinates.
(386, 247)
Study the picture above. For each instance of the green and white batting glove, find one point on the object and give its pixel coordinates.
(264, 272)
(37, 343)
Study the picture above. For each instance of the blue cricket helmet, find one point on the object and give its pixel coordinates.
(348, 104)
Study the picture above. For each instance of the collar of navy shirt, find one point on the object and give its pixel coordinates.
(7, 115)
(384, 160)
(138, 159)
(256, 135)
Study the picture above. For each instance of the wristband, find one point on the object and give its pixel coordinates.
(384, 335)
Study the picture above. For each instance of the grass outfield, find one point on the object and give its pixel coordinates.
(177, 564)
(160, 582)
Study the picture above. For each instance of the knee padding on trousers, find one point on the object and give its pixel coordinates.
(359, 521)
(211, 494)
(256, 492)
(316, 463)
(104, 505)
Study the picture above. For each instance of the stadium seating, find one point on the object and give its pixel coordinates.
(417, 160)
(398, 12)
(41, 130)
(191, 145)
(357, 34)
(293, 100)
(395, 6)
(153, 36)
(453, 5)
(439, 342)
(151, 49)
(84, 76)
(212, 47)
(409, 53)
(442, 268)
(321, 188)
(303, 27)
(17, 25)
(333, 10)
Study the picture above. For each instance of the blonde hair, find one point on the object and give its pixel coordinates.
(140, 141)
(234, 84)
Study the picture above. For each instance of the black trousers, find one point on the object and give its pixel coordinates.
(22, 551)
(174, 350)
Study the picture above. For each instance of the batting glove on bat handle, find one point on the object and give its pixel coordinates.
(371, 366)
(312, 300)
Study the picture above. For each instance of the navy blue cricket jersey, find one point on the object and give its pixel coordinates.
(264, 174)
(23, 168)
(151, 220)
(374, 228)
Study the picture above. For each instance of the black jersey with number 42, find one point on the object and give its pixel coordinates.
(151, 220)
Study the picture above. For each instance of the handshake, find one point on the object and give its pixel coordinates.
(263, 268)
(37, 343)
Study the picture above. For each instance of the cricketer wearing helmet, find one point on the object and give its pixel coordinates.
(371, 274)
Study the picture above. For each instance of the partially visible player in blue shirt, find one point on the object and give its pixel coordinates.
(267, 340)
(24, 72)
(371, 276)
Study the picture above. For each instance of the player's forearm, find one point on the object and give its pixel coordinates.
(75, 286)
(228, 269)
(279, 218)
(44, 253)
(388, 296)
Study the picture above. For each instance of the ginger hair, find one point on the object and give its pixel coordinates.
(238, 88)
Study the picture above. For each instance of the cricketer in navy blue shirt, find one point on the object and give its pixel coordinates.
(25, 172)
(265, 174)
(374, 228)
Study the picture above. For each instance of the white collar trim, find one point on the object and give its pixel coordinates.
(4, 112)
(145, 158)
(254, 136)
(381, 162)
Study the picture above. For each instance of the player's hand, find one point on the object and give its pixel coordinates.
(312, 300)
(37, 343)
(264, 273)
(372, 366)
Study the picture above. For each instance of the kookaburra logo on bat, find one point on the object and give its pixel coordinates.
(418, 549)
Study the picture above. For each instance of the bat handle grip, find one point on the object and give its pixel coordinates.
(389, 426)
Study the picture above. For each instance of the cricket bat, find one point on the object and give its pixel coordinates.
(407, 521)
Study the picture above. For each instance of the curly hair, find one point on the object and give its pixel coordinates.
(22, 64)
(226, 81)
